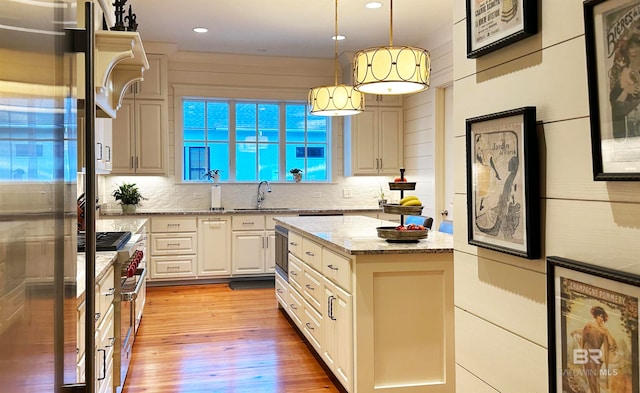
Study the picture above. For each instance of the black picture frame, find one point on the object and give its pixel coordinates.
(503, 188)
(577, 293)
(611, 35)
(515, 20)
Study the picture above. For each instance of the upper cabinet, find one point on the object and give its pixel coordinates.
(383, 100)
(374, 140)
(119, 60)
(140, 127)
(154, 85)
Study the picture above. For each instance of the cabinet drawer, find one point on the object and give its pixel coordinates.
(282, 291)
(295, 244)
(105, 291)
(312, 288)
(312, 254)
(296, 308)
(173, 244)
(337, 269)
(296, 276)
(173, 224)
(250, 222)
(312, 323)
(173, 267)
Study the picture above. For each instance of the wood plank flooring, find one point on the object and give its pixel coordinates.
(209, 338)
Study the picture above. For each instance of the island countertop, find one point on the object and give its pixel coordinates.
(357, 235)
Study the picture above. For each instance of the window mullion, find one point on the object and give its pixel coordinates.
(232, 140)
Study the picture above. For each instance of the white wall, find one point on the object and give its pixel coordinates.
(501, 333)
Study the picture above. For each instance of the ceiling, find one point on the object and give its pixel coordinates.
(298, 28)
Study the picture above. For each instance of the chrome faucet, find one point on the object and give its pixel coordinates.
(260, 196)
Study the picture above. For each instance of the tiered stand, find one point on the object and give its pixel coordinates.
(392, 235)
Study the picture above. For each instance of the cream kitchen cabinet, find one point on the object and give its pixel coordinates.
(214, 250)
(103, 145)
(174, 245)
(154, 86)
(382, 100)
(140, 138)
(253, 245)
(374, 142)
(337, 332)
(104, 334)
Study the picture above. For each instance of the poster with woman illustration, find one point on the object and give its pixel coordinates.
(612, 34)
(501, 182)
(596, 334)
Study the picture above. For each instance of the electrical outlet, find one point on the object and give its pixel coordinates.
(198, 195)
(316, 194)
(346, 193)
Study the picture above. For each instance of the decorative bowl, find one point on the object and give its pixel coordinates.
(393, 235)
(394, 208)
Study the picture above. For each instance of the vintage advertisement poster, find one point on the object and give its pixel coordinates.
(499, 185)
(599, 339)
(493, 20)
(617, 51)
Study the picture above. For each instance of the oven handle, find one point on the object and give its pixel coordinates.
(131, 296)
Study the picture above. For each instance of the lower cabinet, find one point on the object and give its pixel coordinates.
(322, 308)
(214, 250)
(174, 243)
(253, 246)
(105, 339)
(337, 332)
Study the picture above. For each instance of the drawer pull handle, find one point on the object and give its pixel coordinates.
(309, 326)
(309, 253)
(104, 364)
(112, 341)
(293, 306)
(293, 244)
(293, 273)
(97, 316)
(173, 244)
(332, 267)
(279, 290)
(110, 292)
(309, 287)
(247, 223)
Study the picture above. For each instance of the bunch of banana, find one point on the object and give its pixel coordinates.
(410, 200)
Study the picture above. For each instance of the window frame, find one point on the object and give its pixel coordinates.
(234, 95)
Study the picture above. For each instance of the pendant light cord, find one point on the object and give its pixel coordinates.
(391, 23)
(335, 38)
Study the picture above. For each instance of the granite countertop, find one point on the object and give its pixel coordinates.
(357, 235)
(132, 225)
(104, 259)
(264, 210)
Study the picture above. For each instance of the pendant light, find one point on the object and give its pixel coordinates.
(391, 69)
(336, 100)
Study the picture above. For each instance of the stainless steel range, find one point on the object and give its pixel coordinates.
(130, 298)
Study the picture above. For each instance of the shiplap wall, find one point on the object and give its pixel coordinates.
(501, 334)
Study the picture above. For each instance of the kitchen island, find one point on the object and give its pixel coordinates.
(379, 314)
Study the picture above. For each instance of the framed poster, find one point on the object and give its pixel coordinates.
(612, 36)
(493, 24)
(593, 328)
(502, 182)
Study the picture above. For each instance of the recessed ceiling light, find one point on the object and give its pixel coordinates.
(373, 4)
(339, 38)
(200, 29)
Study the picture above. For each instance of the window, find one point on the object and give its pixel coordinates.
(253, 141)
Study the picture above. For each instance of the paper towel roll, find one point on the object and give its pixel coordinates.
(215, 197)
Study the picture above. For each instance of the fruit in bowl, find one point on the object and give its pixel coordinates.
(410, 227)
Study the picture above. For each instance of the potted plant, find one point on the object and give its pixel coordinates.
(297, 174)
(129, 197)
(213, 174)
(381, 199)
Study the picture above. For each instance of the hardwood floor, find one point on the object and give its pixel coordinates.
(209, 338)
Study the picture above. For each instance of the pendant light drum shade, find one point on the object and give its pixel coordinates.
(392, 70)
(337, 100)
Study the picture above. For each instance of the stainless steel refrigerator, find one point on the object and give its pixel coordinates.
(38, 169)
